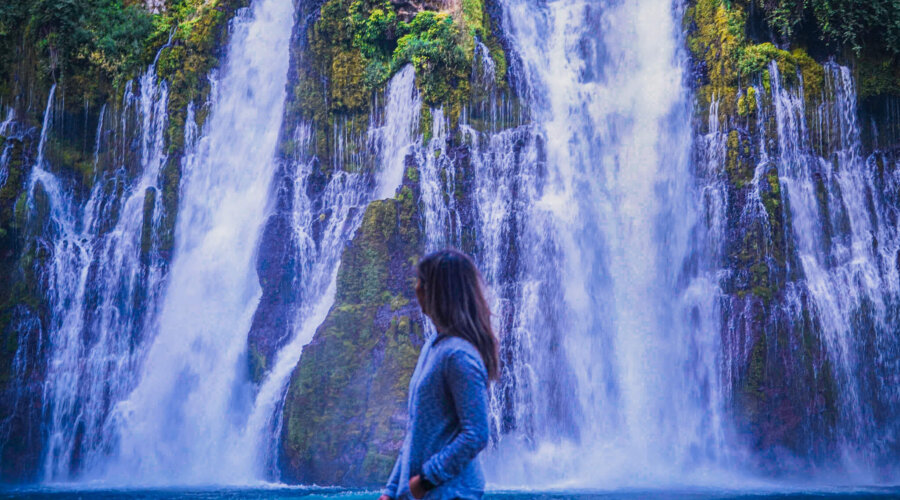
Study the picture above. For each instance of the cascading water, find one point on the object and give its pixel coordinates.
(604, 229)
(597, 223)
(436, 177)
(181, 421)
(843, 214)
(100, 286)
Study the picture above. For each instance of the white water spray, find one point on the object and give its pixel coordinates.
(634, 393)
(180, 422)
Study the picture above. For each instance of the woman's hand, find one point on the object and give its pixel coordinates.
(385, 497)
(416, 487)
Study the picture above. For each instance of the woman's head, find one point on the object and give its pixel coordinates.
(450, 292)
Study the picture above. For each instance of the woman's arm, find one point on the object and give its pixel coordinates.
(390, 490)
(467, 380)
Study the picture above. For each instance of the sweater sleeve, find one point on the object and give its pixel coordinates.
(466, 379)
(393, 482)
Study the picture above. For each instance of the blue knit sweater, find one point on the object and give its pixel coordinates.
(448, 423)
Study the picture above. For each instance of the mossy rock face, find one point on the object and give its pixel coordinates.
(343, 54)
(726, 60)
(345, 410)
(784, 400)
(24, 250)
(353, 47)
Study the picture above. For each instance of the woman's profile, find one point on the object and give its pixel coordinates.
(448, 391)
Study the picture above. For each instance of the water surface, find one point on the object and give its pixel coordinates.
(278, 492)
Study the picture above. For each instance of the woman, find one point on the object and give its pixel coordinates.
(448, 398)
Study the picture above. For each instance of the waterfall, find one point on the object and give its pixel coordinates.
(97, 284)
(182, 421)
(436, 177)
(397, 135)
(612, 340)
(600, 220)
(147, 378)
(843, 214)
(10, 116)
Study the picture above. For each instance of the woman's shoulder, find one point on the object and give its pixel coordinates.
(459, 351)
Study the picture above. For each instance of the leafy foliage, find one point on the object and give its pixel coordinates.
(94, 43)
(432, 41)
(856, 24)
(429, 42)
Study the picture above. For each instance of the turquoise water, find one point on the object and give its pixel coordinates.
(275, 493)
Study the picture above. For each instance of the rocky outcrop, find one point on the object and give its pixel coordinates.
(23, 318)
(345, 410)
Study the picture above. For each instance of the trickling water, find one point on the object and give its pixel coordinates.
(397, 135)
(437, 177)
(191, 403)
(10, 116)
(598, 227)
(845, 235)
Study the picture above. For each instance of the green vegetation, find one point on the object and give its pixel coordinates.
(351, 50)
(368, 34)
(717, 36)
(864, 33)
(877, 74)
(198, 29)
(90, 46)
(854, 24)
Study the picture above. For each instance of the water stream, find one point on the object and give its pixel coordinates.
(605, 227)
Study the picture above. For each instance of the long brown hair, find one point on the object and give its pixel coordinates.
(454, 300)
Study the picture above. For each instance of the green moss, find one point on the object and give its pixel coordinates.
(198, 29)
(747, 102)
(11, 201)
(761, 284)
(754, 59)
(767, 82)
(171, 180)
(877, 74)
(348, 90)
(412, 173)
(737, 160)
(341, 423)
(717, 37)
(427, 122)
(813, 75)
(474, 16)
(755, 379)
